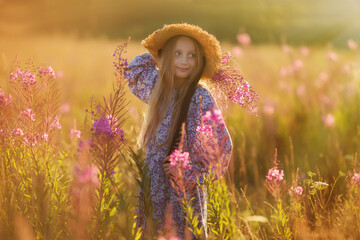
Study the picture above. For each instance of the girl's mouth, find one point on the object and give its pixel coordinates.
(183, 69)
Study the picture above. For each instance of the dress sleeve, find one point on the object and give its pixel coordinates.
(142, 75)
(209, 142)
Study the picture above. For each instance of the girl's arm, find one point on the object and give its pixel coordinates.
(209, 140)
(142, 75)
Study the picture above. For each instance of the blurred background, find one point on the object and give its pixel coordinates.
(301, 56)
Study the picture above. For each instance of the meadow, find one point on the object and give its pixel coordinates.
(294, 171)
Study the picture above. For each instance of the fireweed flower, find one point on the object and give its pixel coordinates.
(17, 132)
(118, 132)
(4, 100)
(75, 133)
(28, 113)
(243, 39)
(31, 141)
(328, 120)
(332, 56)
(101, 127)
(297, 191)
(55, 123)
(304, 51)
(214, 116)
(356, 178)
(26, 78)
(45, 137)
(88, 174)
(275, 175)
(179, 159)
(47, 72)
(352, 44)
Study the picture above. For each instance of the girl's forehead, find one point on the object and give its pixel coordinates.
(185, 43)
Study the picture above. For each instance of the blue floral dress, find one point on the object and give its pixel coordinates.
(142, 76)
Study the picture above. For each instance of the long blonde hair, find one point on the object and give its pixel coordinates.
(163, 90)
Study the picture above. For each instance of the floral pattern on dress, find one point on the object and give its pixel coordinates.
(142, 76)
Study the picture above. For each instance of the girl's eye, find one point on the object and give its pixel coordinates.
(177, 53)
(192, 55)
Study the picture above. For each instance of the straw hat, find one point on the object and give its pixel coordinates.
(210, 44)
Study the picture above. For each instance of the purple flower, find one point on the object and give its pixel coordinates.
(101, 127)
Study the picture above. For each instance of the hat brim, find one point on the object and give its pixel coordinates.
(210, 44)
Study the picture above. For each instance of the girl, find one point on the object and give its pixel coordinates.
(167, 79)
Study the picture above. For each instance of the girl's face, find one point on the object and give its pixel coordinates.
(184, 60)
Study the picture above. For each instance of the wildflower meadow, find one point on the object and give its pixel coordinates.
(70, 167)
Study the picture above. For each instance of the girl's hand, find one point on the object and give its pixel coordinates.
(167, 170)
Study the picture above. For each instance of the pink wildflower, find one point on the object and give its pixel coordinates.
(226, 58)
(28, 113)
(286, 48)
(26, 78)
(45, 137)
(332, 56)
(352, 44)
(179, 159)
(356, 178)
(304, 51)
(237, 51)
(269, 108)
(60, 74)
(301, 90)
(119, 132)
(31, 141)
(55, 123)
(47, 72)
(297, 64)
(87, 175)
(17, 132)
(4, 99)
(275, 174)
(328, 120)
(297, 191)
(215, 116)
(243, 39)
(113, 121)
(75, 133)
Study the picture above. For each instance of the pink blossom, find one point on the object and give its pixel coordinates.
(301, 90)
(304, 51)
(215, 116)
(26, 78)
(285, 71)
(17, 132)
(55, 123)
(332, 56)
(298, 191)
(65, 108)
(179, 159)
(88, 174)
(205, 129)
(237, 51)
(28, 113)
(119, 132)
(31, 141)
(352, 44)
(60, 74)
(75, 133)
(113, 121)
(47, 72)
(269, 109)
(45, 137)
(286, 48)
(328, 120)
(4, 99)
(243, 39)
(356, 178)
(297, 64)
(226, 58)
(275, 174)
